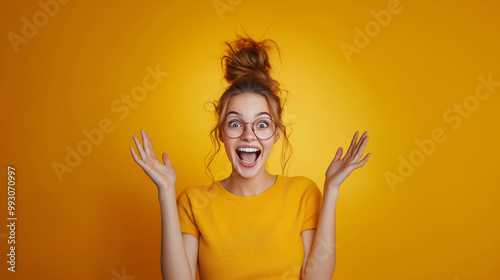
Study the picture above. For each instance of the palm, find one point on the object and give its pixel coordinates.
(163, 175)
(339, 169)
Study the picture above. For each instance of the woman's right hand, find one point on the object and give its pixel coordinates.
(163, 175)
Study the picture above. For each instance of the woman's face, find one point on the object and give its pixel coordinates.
(249, 107)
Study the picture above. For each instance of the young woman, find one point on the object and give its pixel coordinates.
(252, 224)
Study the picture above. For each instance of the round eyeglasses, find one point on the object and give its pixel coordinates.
(264, 128)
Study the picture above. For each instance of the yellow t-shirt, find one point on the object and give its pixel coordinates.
(255, 237)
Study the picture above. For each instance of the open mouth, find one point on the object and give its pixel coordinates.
(248, 155)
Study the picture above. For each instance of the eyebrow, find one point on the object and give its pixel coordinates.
(236, 113)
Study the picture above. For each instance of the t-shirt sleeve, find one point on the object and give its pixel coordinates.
(312, 206)
(186, 217)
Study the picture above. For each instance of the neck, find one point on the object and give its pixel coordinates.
(255, 185)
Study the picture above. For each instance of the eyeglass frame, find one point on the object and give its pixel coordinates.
(245, 127)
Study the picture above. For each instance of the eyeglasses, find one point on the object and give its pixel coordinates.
(264, 128)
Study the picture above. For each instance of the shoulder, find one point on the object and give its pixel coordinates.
(300, 180)
(192, 192)
(302, 185)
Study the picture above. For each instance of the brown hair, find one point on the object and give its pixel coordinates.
(246, 68)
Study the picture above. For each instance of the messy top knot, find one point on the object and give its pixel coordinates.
(247, 59)
(247, 69)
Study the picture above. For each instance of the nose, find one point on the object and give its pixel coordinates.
(248, 134)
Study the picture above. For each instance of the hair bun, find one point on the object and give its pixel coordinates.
(248, 59)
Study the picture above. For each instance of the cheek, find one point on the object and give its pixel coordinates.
(268, 146)
(228, 147)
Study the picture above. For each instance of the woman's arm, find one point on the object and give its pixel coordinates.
(321, 260)
(174, 261)
(320, 263)
(174, 258)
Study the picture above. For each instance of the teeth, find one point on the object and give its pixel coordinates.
(248, 150)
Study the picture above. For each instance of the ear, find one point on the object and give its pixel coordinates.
(277, 136)
(220, 136)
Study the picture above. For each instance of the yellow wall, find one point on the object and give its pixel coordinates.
(426, 211)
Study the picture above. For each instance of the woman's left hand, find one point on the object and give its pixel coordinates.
(339, 169)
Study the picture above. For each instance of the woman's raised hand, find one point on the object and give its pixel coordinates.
(339, 169)
(163, 175)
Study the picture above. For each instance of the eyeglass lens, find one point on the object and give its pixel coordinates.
(234, 127)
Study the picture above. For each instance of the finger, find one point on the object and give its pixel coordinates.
(352, 146)
(338, 154)
(362, 162)
(145, 143)
(361, 148)
(150, 145)
(363, 136)
(139, 148)
(166, 159)
(136, 159)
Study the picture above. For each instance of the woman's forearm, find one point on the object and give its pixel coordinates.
(321, 261)
(174, 261)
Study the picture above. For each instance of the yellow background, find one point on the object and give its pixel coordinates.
(102, 219)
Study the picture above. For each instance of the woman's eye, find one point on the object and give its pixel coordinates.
(234, 124)
(262, 125)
